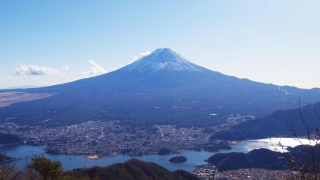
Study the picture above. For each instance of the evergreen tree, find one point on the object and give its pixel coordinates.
(46, 168)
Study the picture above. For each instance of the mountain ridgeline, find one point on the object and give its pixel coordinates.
(161, 88)
(131, 170)
(274, 125)
(264, 158)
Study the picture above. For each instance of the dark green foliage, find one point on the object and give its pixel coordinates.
(178, 159)
(231, 161)
(237, 135)
(133, 170)
(216, 146)
(272, 125)
(46, 168)
(9, 138)
(262, 158)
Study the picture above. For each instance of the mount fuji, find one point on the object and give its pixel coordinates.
(161, 88)
(162, 59)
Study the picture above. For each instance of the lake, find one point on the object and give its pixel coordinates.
(194, 157)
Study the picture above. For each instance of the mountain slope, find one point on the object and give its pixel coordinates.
(257, 158)
(161, 88)
(273, 125)
(265, 158)
(162, 59)
(133, 170)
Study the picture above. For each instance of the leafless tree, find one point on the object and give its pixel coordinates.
(304, 163)
(10, 172)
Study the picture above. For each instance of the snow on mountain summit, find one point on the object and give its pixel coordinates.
(162, 59)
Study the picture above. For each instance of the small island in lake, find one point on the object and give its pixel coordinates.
(178, 159)
(93, 157)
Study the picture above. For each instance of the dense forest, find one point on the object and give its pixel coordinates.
(178, 159)
(133, 169)
(42, 168)
(262, 158)
(9, 138)
(273, 125)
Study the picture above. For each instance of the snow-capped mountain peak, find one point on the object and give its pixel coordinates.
(162, 59)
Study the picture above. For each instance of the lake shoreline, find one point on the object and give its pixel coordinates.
(195, 158)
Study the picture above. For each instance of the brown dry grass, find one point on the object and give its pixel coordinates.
(8, 98)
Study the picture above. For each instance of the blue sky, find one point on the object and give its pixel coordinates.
(53, 42)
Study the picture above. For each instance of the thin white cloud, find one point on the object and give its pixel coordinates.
(95, 68)
(134, 58)
(35, 70)
(66, 68)
(10, 77)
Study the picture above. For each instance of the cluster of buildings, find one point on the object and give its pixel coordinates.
(252, 174)
(206, 172)
(111, 138)
(99, 138)
(210, 172)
